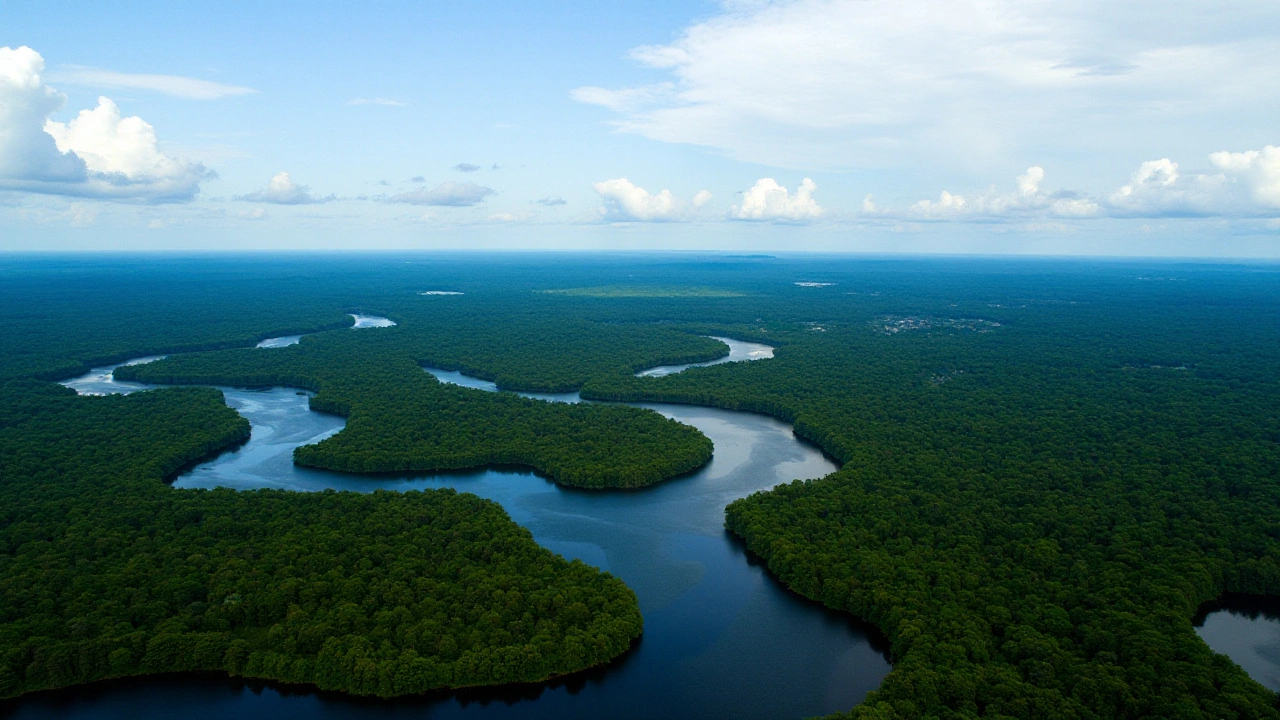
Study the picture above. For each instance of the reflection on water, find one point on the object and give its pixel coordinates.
(722, 638)
(279, 342)
(1245, 628)
(738, 351)
(100, 381)
(455, 377)
(369, 321)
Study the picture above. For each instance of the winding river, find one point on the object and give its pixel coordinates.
(722, 638)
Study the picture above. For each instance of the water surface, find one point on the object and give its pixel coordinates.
(369, 321)
(739, 351)
(279, 342)
(1247, 630)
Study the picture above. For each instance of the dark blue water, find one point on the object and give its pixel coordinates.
(722, 638)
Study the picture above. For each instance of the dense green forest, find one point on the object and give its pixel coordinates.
(107, 572)
(401, 418)
(1047, 467)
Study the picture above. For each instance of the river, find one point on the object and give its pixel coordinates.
(722, 638)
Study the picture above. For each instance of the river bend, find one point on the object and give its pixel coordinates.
(722, 638)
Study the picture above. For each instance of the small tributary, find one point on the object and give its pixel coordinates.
(722, 638)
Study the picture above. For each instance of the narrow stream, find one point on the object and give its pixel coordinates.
(722, 638)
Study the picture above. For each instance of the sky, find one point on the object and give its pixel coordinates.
(1090, 127)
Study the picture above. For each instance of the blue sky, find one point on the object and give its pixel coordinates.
(994, 126)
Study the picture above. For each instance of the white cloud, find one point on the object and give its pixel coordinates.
(1154, 189)
(448, 194)
(969, 83)
(625, 100)
(120, 147)
(767, 200)
(175, 85)
(946, 205)
(626, 202)
(507, 217)
(97, 154)
(27, 153)
(1247, 184)
(551, 200)
(1259, 170)
(385, 102)
(1027, 200)
(282, 190)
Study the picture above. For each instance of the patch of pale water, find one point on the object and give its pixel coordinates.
(739, 351)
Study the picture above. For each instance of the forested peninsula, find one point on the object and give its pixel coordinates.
(1046, 470)
(401, 419)
(109, 573)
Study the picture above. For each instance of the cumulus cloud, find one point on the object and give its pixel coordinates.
(1240, 185)
(27, 152)
(831, 83)
(767, 200)
(449, 194)
(1257, 170)
(1246, 184)
(1153, 189)
(99, 153)
(466, 167)
(551, 200)
(1029, 199)
(626, 202)
(282, 190)
(175, 85)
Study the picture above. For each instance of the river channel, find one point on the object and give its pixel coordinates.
(722, 638)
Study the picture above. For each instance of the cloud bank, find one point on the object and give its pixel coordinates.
(1239, 185)
(811, 84)
(98, 154)
(1028, 199)
(282, 190)
(447, 194)
(626, 202)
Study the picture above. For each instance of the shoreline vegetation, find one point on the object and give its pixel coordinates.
(407, 421)
(1033, 536)
(380, 594)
